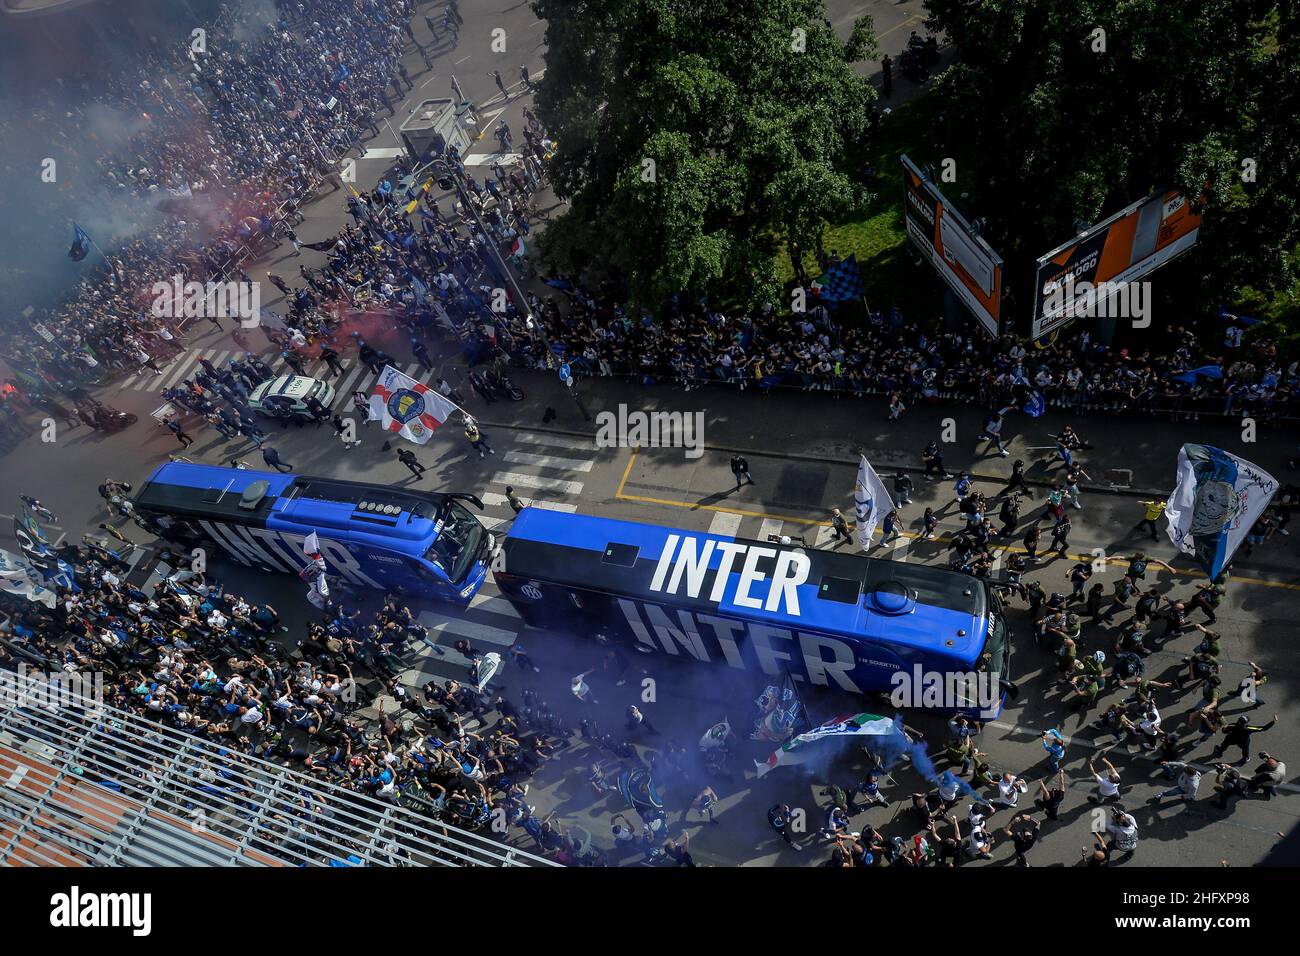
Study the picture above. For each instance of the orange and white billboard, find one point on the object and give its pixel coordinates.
(1127, 246)
(963, 260)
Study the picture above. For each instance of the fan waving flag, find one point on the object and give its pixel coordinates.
(805, 747)
(80, 244)
(407, 407)
(1218, 499)
(842, 282)
(869, 498)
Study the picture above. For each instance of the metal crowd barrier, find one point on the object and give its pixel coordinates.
(91, 785)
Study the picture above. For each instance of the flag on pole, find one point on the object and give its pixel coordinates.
(311, 545)
(1035, 406)
(870, 500)
(1218, 498)
(407, 407)
(803, 748)
(80, 244)
(842, 282)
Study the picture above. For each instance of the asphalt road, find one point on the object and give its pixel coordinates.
(801, 448)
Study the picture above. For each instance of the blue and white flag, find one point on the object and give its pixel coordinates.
(1035, 406)
(80, 244)
(870, 501)
(1218, 498)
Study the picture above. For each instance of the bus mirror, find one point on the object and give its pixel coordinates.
(472, 499)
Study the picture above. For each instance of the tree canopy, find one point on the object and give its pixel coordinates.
(1052, 122)
(695, 136)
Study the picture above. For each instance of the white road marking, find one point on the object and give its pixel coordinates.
(547, 461)
(483, 159)
(493, 605)
(770, 526)
(556, 441)
(725, 522)
(345, 387)
(182, 370)
(471, 630)
(533, 481)
(500, 501)
(823, 538)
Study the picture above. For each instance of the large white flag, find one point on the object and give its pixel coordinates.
(408, 407)
(1219, 496)
(870, 500)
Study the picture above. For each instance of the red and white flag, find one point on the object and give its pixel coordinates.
(407, 407)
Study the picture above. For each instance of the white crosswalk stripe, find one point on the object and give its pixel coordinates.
(557, 441)
(546, 461)
(181, 370)
(500, 501)
(472, 631)
(823, 539)
(345, 388)
(492, 603)
(520, 480)
(770, 526)
(725, 522)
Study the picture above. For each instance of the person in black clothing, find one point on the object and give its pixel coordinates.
(1017, 480)
(887, 75)
(740, 468)
(933, 459)
(1023, 833)
(331, 358)
(293, 360)
(778, 818)
(175, 427)
(1051, 800)
(272, 458)
(903, 487)
(680, 853)
(407, 458)
(421, 353)
(318, 411)
(1238, 735)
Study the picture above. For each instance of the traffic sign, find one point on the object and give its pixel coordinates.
(564, 372)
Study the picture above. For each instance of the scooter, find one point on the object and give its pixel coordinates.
(112, 420)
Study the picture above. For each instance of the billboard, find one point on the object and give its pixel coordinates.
(1125, 247)
(963, 260)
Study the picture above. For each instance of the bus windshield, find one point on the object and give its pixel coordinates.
(457, 543)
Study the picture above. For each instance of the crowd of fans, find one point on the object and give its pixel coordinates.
(892, 356)
(235, 141)
(207, 662)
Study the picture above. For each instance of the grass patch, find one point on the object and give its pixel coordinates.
(877, 236)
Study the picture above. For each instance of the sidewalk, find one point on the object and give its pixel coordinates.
(1133, 455)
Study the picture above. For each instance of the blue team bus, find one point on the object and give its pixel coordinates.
(863, 625)
(413, 542)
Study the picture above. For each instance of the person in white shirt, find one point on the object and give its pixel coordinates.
(582, 690)
(1010, 788)
(1107, 783)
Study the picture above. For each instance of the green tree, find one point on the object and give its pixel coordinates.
(1054, 123)
(692, 136)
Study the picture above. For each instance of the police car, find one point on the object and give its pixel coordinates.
(288, 394)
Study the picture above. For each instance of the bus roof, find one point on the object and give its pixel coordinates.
(350, 510)
(892, 602)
